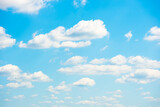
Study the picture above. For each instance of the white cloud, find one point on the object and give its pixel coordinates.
(152, 99)
(22, 84)
(68, 98)
(75, 60)
(46, 102)
(14, 73)
(78, 3)
(98, 61)
(119, 59)
(34, 95)
(142, 62)
(24, 6)
(146, 93)
(53, 96)
(104, 48)
(128, 35)
(61, 87)
(7, 100)
(1, 86)
(77, 36)
(86, 102)
(19, 97)
(89, 69)
(136, 69)
(60, 101)
(84, 82)
(153, 34)
(141, 76)
(5, 39)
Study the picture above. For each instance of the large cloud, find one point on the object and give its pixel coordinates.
(142, 76)
(14, 73)
(137, 69)
(153, 34)
(77, 36)
(23, 6)
(5, 39)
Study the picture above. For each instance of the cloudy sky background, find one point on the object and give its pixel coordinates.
(78, 53)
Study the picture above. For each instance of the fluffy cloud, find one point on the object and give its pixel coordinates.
(14, 73)
(98, 61)
(153, 34)
(119, 59)
(77, 36)
(75, 60)
(128, 35)
(141, 76)
(78, 3)
(136, 69)
(89, 69)
(5, 39)
(19, 97)
(152, 99)
(22, 84)
(23, 6)
(61, 87)
(84, 82)
(142, 62)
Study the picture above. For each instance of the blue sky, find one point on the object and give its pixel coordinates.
(78, 53)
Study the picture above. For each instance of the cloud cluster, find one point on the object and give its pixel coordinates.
(78, 3)
(14, 73)
(68, 87)
(77, 36)
(133, 69)
(5, 39)
(24, 6)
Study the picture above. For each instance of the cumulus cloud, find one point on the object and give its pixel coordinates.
(98, 61)
(146, 93)
(84, 82)
(78, 3)
(24, 6)
(119, 59)
(153, 34)
(152, 99)
(14, 73)
(75, 60)
(89, 69)
(77, 36)
(22, 84)
(5, 39)
(136, 69)
(143, 62)
(19, 97)
(141, 76)
(128, 35)
(61, 87)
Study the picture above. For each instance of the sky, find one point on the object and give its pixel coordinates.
(79, 53)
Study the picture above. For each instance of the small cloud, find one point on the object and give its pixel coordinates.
(85, 82)
(19, 97)
(104, 48)
(128, 35)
